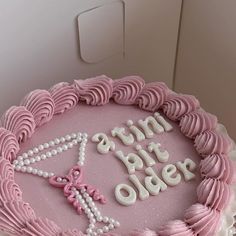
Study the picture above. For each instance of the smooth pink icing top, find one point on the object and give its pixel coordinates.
(17, 217)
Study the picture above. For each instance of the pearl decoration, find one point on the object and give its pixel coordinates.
(23, 162)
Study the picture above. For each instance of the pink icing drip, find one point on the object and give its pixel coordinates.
(175, 228)
(126, 90)
(196, 122)
(9, 146)
(41, 227)
(64, 96)
(20, 122)
(210, 142)
(213, 193)
(202, 219)
(178, 105)
(152, 96)
(217, 166)
(94, 91)
(40, 104)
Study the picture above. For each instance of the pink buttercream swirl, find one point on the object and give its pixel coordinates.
(9, 191)
(14, 215)
(178, 105)
(19, 121)
(152, 96)
(41, 227)
(196, 122)
(213, 193)
(175, 228)
(64, 97)
(6, 169)
(40, 104)
(210, 142)
(94, 91)
(126, 90)
(9, 145)
(217, 166)
(202, 219)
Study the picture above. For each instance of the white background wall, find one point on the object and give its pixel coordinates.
(40, 42)
(206, 63)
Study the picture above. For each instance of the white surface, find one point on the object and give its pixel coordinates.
(39, 43)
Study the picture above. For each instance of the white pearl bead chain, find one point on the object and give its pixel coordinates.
(23, 162)
(94, 215)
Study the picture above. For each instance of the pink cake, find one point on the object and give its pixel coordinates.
(114, 157)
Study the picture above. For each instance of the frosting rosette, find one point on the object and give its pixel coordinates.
(94, 91)
(152, 96)
(175, 228)
(6, 169)
(217, 166)
(210, 142)
(19, 121)
(40, 103)
(9, 145)
(40, 227)
(126, 90)
(213, 193)
(196, 122)
(202, 219)
(9, 191)
(14, 215)
(64, 97)
(178, 105)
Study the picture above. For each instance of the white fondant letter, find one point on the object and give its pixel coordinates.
(168, 175)
(104, 144)
(153, 183)
(186, 167)
(145, 156)
(132, 161)
(143, 193)
(162, 156)
(120, 133)
(167, 127)
(128, 200)
(137, 132)
(149, 125)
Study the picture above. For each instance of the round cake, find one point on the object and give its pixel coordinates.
(115, 157)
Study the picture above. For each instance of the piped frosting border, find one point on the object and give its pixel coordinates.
(215, 147)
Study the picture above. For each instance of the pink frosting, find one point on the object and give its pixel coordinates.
(126, 90)
(14, 215)
(213, 193)
(9, 191)
(175, 228)
(64, 97)
(202, 219)
(19, 121)
(41, 227)
(196, 122)
(217, 166)
(6, 170)
(152, 96)
(210, 142)
(178, 105)
(40, 104)
(94, 91)
(9, 146)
